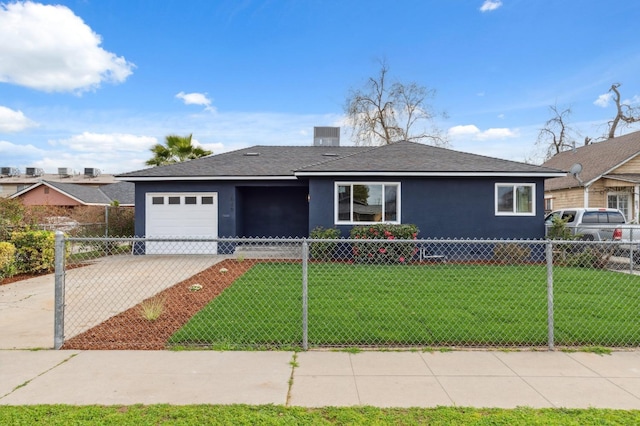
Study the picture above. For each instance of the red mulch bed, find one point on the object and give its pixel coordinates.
(129, 330)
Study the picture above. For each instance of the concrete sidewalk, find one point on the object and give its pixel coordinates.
(322, 378)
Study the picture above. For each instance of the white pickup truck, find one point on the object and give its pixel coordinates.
(598, 224)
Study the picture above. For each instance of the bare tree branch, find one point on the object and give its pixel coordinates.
(556, 134)
(382, 114)
(625, 113)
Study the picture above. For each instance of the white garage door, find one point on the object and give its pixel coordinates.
(181, 215)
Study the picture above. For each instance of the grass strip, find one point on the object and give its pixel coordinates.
(280, 415)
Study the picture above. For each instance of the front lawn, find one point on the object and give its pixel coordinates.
(418, 305)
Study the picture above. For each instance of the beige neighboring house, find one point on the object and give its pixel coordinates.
(13, 180)
(609, 177)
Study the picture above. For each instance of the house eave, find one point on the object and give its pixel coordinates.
(433, 174)
(200, 178)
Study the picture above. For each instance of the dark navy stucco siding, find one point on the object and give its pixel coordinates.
(442, 208)
(230, 202)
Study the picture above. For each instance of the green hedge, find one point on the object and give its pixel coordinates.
(35, 251)
(7, 259)
(384, 251)
(323, 250)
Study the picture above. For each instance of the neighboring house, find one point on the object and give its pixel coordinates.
(609, 177)
(13, 180)
(286, 191)
(45, 193)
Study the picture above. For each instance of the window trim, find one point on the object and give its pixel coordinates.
(336, 213)
(514, 186)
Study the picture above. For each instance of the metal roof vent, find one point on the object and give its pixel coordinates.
(34, 171)
(9, 171)
(251, 154)
(91, 172)
(326, 136)
(65, 172)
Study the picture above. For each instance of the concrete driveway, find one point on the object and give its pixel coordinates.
(26, 313)
(93, 294)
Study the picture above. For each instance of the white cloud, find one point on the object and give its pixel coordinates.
(490, 5)
(473, 132)
(49, 48)
(8, 148)
(13, 121)
(196, 99)
(603, 100)
(106, 143)
(466, 130)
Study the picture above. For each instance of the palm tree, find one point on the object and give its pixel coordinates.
(176, 149)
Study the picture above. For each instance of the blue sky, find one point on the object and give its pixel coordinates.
(95, 83)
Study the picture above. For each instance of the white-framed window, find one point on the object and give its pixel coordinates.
(620, 201)
(548, 204)
(367, 202)
(515, 199)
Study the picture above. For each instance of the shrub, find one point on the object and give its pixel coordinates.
(35, 251)
(323, 250)
(590, 257)
(511, 252)
(7, 260)
(384, 251)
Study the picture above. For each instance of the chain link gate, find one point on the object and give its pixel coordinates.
(313, 293)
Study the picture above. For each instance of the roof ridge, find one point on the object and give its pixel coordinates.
(330, 160)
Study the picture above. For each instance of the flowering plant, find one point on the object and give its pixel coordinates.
(382, 249)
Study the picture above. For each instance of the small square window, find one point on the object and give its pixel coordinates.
(174, 200)
(515, 199)
(191, 200)
(207, 200)
(157, 200)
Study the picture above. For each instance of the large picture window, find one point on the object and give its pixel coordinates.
(514, 199)
(363, 202)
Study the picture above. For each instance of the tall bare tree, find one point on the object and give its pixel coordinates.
(557, 135)
(384, 112)
(625, 113)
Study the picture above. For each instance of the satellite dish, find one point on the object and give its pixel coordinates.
(575, 170)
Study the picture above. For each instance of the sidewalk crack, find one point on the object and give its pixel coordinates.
(294, 364)
(39, 375)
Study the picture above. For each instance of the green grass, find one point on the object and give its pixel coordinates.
(434, 305)
(279, 415)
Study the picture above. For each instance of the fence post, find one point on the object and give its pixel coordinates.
(305, 294)
(58, 319)
(549, 255)
(631, 260)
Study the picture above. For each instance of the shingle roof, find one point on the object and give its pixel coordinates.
(596, 159)
(123, 192)
(257, 161)
(86, 194)
(289, 161)
(411, 157)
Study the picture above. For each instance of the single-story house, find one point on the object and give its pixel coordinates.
(46, 193)
(607, 174)
(287, 191)
(13, 180)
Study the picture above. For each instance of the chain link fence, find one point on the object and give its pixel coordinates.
(136, 293)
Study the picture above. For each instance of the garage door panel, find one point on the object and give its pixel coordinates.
(196, 219)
